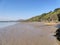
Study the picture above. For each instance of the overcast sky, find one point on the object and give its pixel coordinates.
(24, 9)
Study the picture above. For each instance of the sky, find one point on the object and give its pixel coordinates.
(24, 9)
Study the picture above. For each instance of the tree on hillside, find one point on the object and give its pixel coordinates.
(50, 16)
(57, 9)
(58, 17)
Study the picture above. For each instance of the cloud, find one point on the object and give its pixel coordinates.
(2, 18)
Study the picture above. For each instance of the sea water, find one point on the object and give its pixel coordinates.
(5, 24)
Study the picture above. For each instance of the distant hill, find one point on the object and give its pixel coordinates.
(50, 16)
(21, 20)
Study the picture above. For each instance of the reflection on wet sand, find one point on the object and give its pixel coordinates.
(35, 33)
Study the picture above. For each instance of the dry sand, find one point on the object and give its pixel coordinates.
(31, 33)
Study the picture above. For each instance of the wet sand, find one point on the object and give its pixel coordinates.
(31, 33)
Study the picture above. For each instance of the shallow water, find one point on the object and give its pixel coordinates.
(5, 24)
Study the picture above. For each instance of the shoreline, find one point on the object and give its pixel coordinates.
(32, 33)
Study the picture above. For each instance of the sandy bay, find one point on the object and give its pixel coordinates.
(28, 33)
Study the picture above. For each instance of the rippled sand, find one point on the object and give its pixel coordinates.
(32, 33)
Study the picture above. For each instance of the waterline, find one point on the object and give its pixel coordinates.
(5, 24)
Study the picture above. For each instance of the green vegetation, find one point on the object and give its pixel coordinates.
(50, 16)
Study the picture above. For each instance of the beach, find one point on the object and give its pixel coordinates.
(28, 33)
